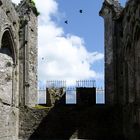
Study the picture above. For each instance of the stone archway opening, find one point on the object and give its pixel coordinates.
(6, 68)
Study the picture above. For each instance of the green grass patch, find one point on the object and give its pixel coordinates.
(41, 107)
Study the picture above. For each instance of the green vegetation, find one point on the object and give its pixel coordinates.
(41, 107)
(33, 1)
(33, 6)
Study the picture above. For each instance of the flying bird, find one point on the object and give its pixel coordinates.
(81, 11)
(66, 22)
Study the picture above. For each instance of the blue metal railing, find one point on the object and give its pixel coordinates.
(70, 89)
(55, 84)
(86, 83)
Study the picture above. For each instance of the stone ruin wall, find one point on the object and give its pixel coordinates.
(17, 48)
(8, 71)
(122, 41)
(28, 54)
(130, 69)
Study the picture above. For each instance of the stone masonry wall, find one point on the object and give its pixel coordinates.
(9, 24)
(30, 118)
(8, 122)
(6, 78)
(109, 12)
(8, 71)
(131, 73)
(32, 45)
(28, 54)
(126, 61)
(18, 60)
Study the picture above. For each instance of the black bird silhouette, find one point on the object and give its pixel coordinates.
(66, 22)
(81, 11)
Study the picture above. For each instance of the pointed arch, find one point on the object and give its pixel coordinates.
(8, 45)
(8, 63)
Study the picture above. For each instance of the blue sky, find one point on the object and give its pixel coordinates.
(87, 25)
(73, 51)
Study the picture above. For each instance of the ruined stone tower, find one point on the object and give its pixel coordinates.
(110, 11)
(122, 61)
(121, 51)
(28, 53)
(18, 63)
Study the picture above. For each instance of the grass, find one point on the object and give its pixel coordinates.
(41, 107)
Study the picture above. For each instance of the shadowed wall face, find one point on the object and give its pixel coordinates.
(86, 96)
(122, 75)
(80, 122)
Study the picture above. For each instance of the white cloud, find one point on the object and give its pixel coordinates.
(61, 56)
